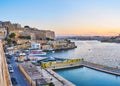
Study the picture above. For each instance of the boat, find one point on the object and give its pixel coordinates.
(37, 52)
(53, 51)
(36, 57)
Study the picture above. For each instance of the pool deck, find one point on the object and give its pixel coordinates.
(62, 80)
(106, 69)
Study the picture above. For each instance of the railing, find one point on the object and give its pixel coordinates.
(4, 74)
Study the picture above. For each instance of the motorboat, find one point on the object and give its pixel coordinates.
(37, 52)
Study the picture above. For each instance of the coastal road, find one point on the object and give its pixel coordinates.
(18, 75)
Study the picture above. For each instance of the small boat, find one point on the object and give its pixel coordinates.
(37, 52)
(53, 51)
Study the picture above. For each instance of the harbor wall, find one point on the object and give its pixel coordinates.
(4, 73)
(32, 83)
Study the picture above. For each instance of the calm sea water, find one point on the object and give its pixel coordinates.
(89, 77)
(93, 51)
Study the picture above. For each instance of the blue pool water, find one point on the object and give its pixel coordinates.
(83, 76)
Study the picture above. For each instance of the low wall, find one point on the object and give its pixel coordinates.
(5, 79)
(58, 64)
(26, 75)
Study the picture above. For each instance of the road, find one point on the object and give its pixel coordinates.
(20, 78)
(18, 75)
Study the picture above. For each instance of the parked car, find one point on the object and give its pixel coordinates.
(9, 65)
(14, 81)
(11, 69)
(8, 61)
(8, 56)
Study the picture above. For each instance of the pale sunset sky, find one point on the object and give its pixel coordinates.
(65, 17)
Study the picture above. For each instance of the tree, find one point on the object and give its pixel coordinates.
(49, 39)
(9, 41)
(52, 39)
(22, 37)
(51, 84)
(25, 37)
(28, 37)
(12, 35)
(26, 26)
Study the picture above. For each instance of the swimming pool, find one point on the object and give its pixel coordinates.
(83, 76)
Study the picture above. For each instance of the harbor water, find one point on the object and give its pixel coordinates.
(93, 51)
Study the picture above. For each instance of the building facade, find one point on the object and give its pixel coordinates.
(50, 34)
(1, 24)
(3, 33)
(35, 46)
(17, 26)
(34, 33)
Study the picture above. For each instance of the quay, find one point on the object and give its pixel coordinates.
(43, 76)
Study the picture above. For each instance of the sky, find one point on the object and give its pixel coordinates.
(65, 17)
